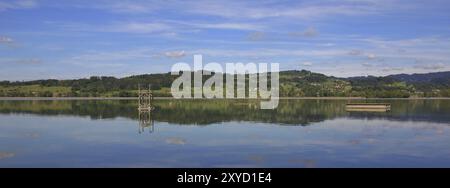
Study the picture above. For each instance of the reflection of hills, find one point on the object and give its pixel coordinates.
(202, 112)
(412, 110)
(207, 111)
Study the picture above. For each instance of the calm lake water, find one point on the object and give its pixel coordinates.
(223, 133)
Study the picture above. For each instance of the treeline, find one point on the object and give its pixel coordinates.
(103, 82)
(292, 84)
(400, 87)
(381, 87)
(94, 86)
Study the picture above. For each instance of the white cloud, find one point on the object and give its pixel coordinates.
(366, 64)
(20, 61)
(29, 61)
(371, 56)
(427, 48)
(165, 28)
(116, 27)
(235, 9)
(26, 3)
(249, 10)
(99, 59)
(269, 52)
(6, 40)
(328, 44)
(170, 34)
(175, 54)
(17, 4)
(390, 69)
(435, 66)
(307, 63)
(234, 26)
(137, 27)
(132, 7)
(355, 52)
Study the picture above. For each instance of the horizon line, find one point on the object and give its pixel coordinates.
(121, 77)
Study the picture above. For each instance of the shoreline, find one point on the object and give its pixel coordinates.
(171, 98)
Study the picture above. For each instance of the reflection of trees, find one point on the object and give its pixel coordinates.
(210, 111)
(202, 112)
(95, 109)
(412, 110)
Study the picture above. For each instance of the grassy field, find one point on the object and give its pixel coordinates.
(59, 91)
(35, 90)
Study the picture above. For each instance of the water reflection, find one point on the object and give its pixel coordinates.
(205, 112)
(145, 120)
(300, 133)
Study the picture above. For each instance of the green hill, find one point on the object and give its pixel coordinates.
(292, 84)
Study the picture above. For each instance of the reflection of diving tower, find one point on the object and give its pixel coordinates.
(145, 108)
(145, 121)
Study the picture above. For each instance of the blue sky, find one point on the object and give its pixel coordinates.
(63, 39)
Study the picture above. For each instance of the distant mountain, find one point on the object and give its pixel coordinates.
(426, 82)
(422, 78)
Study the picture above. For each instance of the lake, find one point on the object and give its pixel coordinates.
(223, 133)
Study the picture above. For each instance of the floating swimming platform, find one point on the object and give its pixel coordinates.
(368, 107)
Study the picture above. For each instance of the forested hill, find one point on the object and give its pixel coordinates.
(292, 83)
(435, 77)
(426, 82)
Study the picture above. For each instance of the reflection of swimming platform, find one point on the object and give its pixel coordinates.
(368, 107)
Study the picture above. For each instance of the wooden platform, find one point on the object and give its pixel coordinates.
(369, 107)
